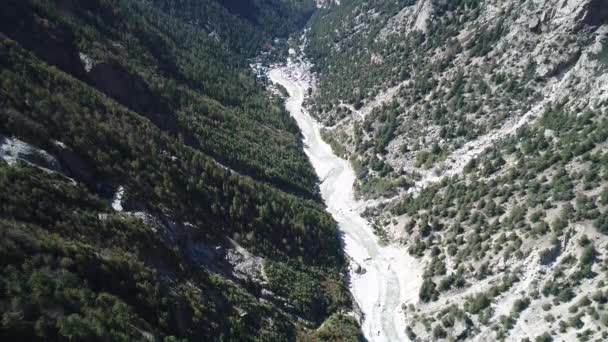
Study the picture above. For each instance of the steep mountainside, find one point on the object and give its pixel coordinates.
(150, 189)
(478, 128)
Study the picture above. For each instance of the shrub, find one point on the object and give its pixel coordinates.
(474, 304)
(520, 305)
(546, 337)
(339, 327)
(428, 291)
(439, 332)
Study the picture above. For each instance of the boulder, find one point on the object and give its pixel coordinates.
(359, 269)
(460, 329)
(534, 24)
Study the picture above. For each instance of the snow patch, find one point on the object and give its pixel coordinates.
(87, 61)
(117, 201)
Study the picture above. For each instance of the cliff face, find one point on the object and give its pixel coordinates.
(479, 127)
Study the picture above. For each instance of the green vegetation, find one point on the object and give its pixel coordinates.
(338, 328)
(480, 215)
(438, 101)
(427, 291)
(156, 97)
(438, 81)
(67, 273)
(307, 292)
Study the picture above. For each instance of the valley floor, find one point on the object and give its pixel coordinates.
(378, 289)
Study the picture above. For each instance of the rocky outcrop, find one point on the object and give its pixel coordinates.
(233, 261)
(13, 150)
(549, 255)
(461, 329)
(58, 158)
(245, 267)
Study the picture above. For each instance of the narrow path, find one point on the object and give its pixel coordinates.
(391, 276)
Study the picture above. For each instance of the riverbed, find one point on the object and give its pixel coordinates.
(388, 276)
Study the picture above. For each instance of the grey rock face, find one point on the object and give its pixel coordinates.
(245, 267)
(12, 150)
(534, 24)
(460, 329)
(549, 255)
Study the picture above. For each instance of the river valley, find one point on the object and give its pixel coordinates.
(388, 276)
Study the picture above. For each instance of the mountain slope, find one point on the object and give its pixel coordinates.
(150, 188)
(478, 131)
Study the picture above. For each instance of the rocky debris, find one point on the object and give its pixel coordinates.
(424, 10)
(236, 261)
(13, 150)
(275, 298)
(245, 267)
(415, 17)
